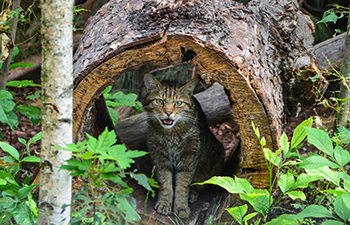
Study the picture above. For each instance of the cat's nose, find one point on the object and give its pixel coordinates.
(168, 113)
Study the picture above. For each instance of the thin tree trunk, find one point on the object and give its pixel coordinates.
(5, 69)
(343, 115)
(57, 84)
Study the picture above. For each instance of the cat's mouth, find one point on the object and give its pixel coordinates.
(168, 122)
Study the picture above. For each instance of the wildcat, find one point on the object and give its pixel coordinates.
(180, 144)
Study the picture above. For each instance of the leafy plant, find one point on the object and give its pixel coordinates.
(100, 161)
(119, 99)
(8, 106)
(329, 166)
(16, 201)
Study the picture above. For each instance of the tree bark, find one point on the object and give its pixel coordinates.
(57, 102)
(261, 53)
(5, 69)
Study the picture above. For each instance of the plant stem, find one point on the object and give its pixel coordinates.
(5, 69)
(342, 116)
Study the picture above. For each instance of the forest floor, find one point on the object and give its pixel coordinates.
(227, 132)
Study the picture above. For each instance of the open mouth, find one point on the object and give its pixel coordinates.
(168, 122)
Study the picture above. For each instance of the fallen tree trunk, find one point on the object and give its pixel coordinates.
(254, 51)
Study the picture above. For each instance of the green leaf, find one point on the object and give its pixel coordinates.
(326, 173)
(23, 214)
(3, 181)
(284, 219)
(315, 162)
(25, 191)
(249, 216)
(284, 144)
(31, 159)
(20, 64)
(21, 140)
(316, 211)
(330, 16)
(332, 222)
(9, 149)
(300, 133)
(113, 114)
(31, 112)
(286, 182)
(141, 180)
(138, 106)
(123, 156)
(296, 194)
(261, 200)
(36, 137)
(320, 139)
(272, 157)
(342, 156)
(130, 214)
(5, 95)
(22, 83)
(342, 206)
(304, 179)
(238, 212)
(227, 183)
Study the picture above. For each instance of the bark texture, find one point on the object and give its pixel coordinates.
(57, 105)
(254, 51)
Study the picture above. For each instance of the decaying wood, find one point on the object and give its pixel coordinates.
(133, 130)
(331, 51)
(254, 51)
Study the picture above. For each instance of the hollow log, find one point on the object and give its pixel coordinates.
(261, 53)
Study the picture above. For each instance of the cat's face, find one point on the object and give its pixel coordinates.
(169, 104)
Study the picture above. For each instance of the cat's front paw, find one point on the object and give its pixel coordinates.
(182, 211)
(163, 207)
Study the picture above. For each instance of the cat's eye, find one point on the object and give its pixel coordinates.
(178, 103)
(159, 101)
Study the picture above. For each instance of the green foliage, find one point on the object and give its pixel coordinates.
(8, 106)
(19, 64)
(119, 99)
(16, 201)
(328, 166)
(101, 160)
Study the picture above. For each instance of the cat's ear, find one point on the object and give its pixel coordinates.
(151, 83)
(189, 87)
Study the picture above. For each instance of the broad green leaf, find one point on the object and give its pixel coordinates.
(244, 185)
(23, 214)
(22, 83)
(315, 162)
(284, 144)
(296, 194)
(304, 179)
(299, 133)
(342, 206)
(21, 140)
(284, 219)
(342, 156)
(320, 139)
(5, 95)
(326, 173)
(261, 200)
(31, 112)
(36, 137)
(347, 184)
(138, 106)
(141, 180)
(238, 212)
(31, 159)
(25, 191)
(272, 157)
(286, 182)
(316, 211)
(9, 149)
(20, 64)
(130, 214)
(103, 143)
(227, 183)
(123, 156)
(249, 216)
(113, 114)
(332, 222)
(330, 16)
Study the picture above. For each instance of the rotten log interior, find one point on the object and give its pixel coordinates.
(253, 51)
